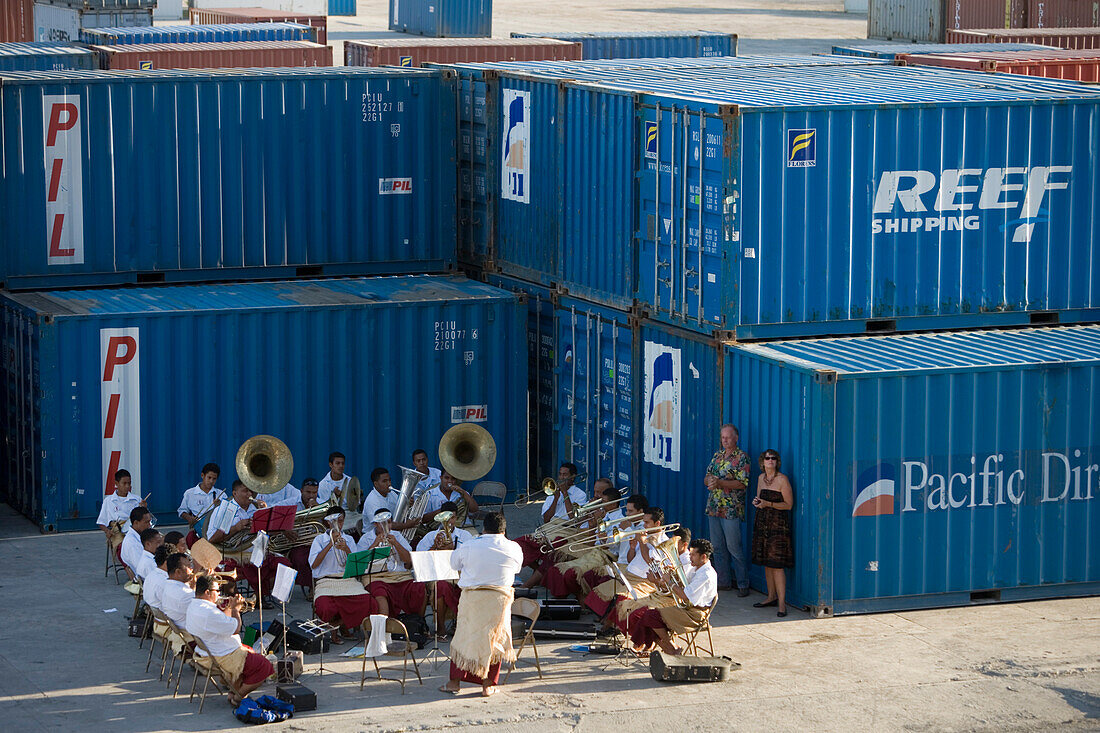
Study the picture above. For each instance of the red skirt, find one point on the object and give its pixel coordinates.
(299, 560)
(447, 596)
(191, 538)
(350, 611)
(532, 551)
(257, 668)
(598, 605)
(561, 584)
(643, 625)
(463, 676)
(254, 575)
(408, 596)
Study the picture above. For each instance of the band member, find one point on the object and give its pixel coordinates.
(309, 498)
(394, 587)
(337, 599)
(114, 515)
(218, 629)
(634, 565)
(556, 509)
(382, 496)
(231, 517)
(449, 490)
(179, 590)
(433, 475)
(175, 542)
(286, 496)
(199, 498)
(298, 556)
(483, 634)
(447, 537)
(635, 504)
(657, 625)
(151, 539)
(334, 486)
(563, 578)
(153, 584)
(141, 519)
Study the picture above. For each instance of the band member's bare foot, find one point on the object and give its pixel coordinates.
(451, 688)
(489, 691)
(234, 699)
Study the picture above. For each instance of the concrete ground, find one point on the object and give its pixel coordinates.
(66, 663)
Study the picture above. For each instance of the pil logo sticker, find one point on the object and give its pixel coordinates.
(405, 61)
(873, 493)
(651, 140)
(387, 186)
(145, 65)
(801, 148)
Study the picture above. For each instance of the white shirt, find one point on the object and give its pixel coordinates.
(132, 549)
(491, 559)
(175, 597)
(331, 565)
(217, 631)
(328, 484)
(685, 561)
(702, 585)
(393, 562)
(436, 499)
(460, 536)
(638, 565)
(576, 495)
(145, 565)
(226, 515)
(117, 507)
(286, 496)
(376, 501)
(616, 516)
(196, 501)
(431, 482)
(152, 586)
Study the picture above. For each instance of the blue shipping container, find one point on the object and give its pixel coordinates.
(443, 18)
(176, 376)
(643, 44)
(930, 470)
(212, 33)
(890, 50)
(45, 57)
(216, 174)
(341, 7)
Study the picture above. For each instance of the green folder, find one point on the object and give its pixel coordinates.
(359, 562)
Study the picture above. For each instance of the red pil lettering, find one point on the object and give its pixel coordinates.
(109, 487)
(55, 179)
(55, 238)
(56, 125)
(112, 417)
(114, 358)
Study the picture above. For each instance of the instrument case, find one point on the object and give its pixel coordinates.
(300, 696)
(296, 638)
(574, 630)
(560, 610)
(680, 668)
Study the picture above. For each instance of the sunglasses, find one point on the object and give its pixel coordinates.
(771, 458)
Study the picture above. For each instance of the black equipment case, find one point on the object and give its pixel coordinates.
(300, 696)
(679, 668)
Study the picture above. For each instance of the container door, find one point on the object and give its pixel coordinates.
(681, 193)
(475, 195)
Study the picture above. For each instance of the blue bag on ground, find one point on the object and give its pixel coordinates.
(274, 704)
(249, 711)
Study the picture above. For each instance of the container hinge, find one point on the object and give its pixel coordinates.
(825, 376)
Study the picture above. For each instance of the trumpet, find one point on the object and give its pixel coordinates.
(246, 604)
(547, 487)
(618, 536)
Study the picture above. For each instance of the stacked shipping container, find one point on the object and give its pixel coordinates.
(1080, 65)
(938, 20)
(655, 44)
(418, 52)
(222, 16)
(443, 18)
(1058, 37)
(241, 55)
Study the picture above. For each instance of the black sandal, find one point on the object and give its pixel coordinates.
(765, 604)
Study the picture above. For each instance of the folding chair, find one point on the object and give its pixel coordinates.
(153, 616)
(529, 609)
(211, 670)
(185, 653)
(403, 649)
(112, 563)
(490, 490)
(692, 636)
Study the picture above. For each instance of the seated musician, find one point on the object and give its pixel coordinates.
(334, 486)
(337, 599)
(114, 515)
(151, 539)
(563, 578)
(298, 556)
(141, 519)
(219, 629)
(286, 496)
(557, 508)
(382, 496)
(199, 499)
(178, 590)
(449, 491)
(634, 562)
(433, 476)
(656, 625)
(176, 542)
(231, 517)
(154, 581)
(447, 537)
(636, 505)
(393, 587)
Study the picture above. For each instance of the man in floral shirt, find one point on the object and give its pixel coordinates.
(726, 479)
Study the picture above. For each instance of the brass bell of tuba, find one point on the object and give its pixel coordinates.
(264, 464)
(467, 451)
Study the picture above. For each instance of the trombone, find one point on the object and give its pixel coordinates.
(616, 536)
(579, 512)
(582, 540)
(546, 488)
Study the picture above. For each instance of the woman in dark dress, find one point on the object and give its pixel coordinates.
(771, 531)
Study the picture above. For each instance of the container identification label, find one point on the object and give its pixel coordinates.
(663, 405)
(516, 152)
(64, 180)
(469, 413)
(395, 185)
(120, 404)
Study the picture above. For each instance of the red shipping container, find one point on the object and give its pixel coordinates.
(419, 51)
(206, 16)
(236, 54)
(1060, 37)
(1073, 65)
(16, 21)
(1063, 14)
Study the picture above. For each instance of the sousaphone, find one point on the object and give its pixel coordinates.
(264, 464)
(467, 451)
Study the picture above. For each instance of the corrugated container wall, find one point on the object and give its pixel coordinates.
(615, 45)
(17, 21)
(224, 33)
(81, 365)
(58, 24)
(930, 470)
(1059, 37)
(890, 50)
(341, 7)
(934, 20)
(45, 57)
(261, 15)
(443, 18)
(105, 180)
(238, 54)
(417, 52)
(1074, 65)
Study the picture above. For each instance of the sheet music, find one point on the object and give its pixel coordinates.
(284, 583)
(224, 518)
(622, 579)
(259, 548)
(433, 565)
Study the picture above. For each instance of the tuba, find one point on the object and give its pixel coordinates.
(467, 451)
(409, 479)
(264, 464)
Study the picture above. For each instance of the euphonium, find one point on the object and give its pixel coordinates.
(308, 524)
(547, 487)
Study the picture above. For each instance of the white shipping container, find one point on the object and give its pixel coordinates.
(302, 7)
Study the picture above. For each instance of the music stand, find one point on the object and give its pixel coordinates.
(318, 629)
(284, 586)
(626, 649)
(359, 563)
(259, 551)
(434, 566)
(274, 519)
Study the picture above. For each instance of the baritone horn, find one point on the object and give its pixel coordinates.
(547, 487)
(467, 451)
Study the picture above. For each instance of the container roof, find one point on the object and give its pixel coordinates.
(255, 295)
(598, 68)
(929, 352)
(581, 35)
(889, 50)
(190, 30)
(322, 72)
(41, 49)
